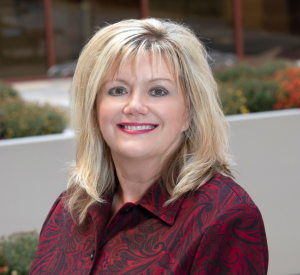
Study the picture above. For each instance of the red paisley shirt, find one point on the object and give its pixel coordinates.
(216, 230)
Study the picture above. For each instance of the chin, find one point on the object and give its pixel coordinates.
(136, 154)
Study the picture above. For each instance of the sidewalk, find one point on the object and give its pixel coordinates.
(52, 91)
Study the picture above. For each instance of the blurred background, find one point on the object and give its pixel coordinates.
(36, 34)
(254, 53)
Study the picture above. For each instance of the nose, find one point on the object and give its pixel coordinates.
(136, 104)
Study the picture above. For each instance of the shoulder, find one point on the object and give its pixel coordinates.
(61, 237)
(58, 203)
(57, 214)
(229, 223)
(221, 198)
(227, 187)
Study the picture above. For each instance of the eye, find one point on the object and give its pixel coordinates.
(158, 91)
(117, 91)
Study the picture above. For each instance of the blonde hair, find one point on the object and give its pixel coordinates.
(204, 146)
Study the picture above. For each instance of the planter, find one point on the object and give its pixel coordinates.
(33, 174)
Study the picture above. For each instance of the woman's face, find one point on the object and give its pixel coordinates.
(143, 112)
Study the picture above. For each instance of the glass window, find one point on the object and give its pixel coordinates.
(76, 21)
(210, 19)
(271, 28)
(22, 38)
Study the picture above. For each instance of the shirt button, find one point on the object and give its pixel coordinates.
(126, 210)
(92, 255)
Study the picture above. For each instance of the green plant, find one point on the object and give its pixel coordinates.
(245, 88)
(7, 91)
(19, 250)
(2, 259)
(19, 118)
(248, 95)
(245, 70)
(270, 68)
(234, 72)
(260, 95)
(233, 101)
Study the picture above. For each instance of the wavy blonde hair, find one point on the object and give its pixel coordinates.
(204, 146)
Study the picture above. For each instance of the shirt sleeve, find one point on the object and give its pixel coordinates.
(64, 247)
(48, 236)
(235, 243)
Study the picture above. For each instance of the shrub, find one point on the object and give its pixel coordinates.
(21, 119)
(234, 72)
(248, 95)
(233, 101)
(288, 95)
(245, 70)
(3, 261)
(7, 91)
(259, 94)
(19, 250)
(270, 68)
(244, 88)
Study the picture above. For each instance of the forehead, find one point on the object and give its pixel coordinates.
(146, 64)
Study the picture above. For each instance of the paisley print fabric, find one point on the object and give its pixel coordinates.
(216, 230)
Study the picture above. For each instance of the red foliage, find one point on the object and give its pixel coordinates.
(288, 95)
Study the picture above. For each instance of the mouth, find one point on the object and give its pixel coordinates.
(137, 127)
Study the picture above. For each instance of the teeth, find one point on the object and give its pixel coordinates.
(138, 128)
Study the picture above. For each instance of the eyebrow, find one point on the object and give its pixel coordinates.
(152, 80)
(118, 79)
(164, 79)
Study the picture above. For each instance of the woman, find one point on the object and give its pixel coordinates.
(148, 194)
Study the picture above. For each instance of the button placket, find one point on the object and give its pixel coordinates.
(110, 230)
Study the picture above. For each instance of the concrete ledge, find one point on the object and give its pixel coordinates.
(264, 115)
(66, 135)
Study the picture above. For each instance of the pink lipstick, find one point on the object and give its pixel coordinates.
(135, 128)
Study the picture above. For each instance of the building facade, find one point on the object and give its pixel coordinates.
(36, 34)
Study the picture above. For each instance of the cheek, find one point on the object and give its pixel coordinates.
(103, 115)
(174, 116)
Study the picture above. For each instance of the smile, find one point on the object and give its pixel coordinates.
(136, 128)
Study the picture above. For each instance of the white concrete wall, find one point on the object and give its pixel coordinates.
(267, 147)
(32, 175)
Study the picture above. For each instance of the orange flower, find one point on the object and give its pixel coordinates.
(288, 95)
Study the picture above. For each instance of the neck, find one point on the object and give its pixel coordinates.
(135, 177)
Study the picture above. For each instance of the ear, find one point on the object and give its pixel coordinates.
(186, 121)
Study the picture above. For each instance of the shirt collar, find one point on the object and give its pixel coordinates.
(154, 201)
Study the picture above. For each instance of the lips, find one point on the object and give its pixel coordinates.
(136, 128)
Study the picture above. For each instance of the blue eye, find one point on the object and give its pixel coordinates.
(117, 91)
(158, 92)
